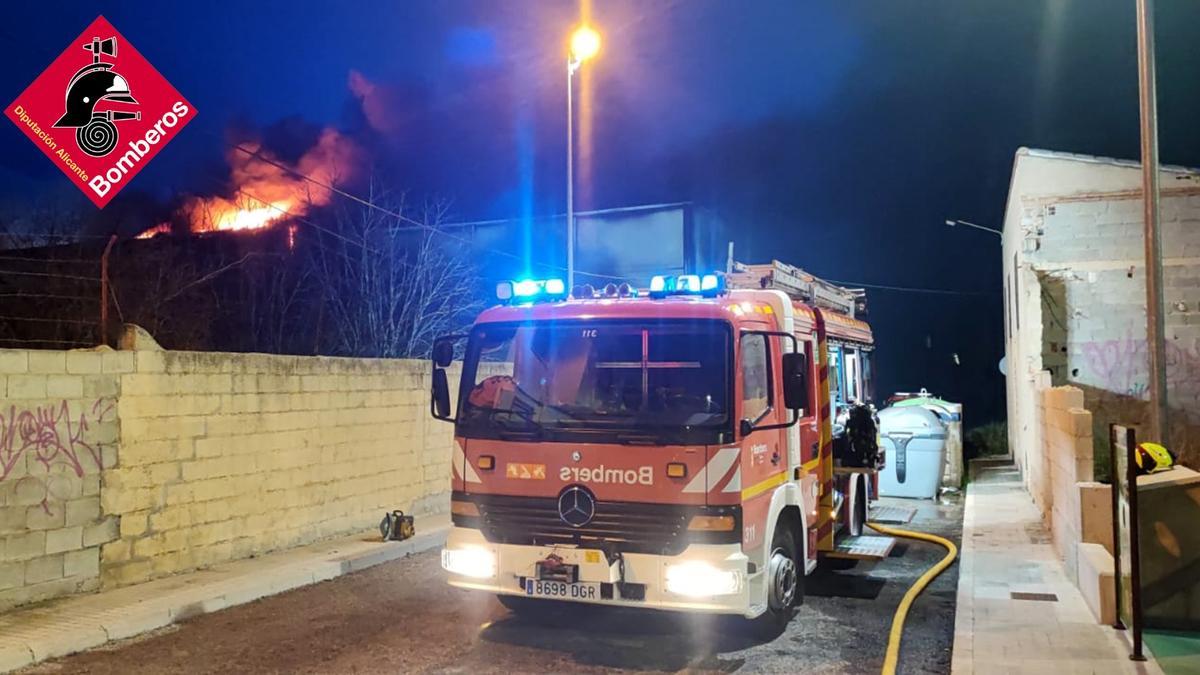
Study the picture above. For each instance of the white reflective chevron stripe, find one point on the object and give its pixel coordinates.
(712, 474)
(462, 468)
(735, 483)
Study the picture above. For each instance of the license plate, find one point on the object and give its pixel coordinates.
(562, 590)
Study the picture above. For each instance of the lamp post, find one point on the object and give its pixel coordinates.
(954, 222)
(1160, 429)
(585, 43)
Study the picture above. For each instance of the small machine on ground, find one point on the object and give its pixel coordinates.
(700, 445)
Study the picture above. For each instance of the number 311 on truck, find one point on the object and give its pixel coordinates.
(699, 445)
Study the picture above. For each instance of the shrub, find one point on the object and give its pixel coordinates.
(986, 440)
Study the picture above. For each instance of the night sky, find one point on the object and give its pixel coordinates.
(835, 136)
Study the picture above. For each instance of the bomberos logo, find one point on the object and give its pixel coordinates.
(100, 113)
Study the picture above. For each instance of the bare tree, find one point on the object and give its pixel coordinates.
(390, 287)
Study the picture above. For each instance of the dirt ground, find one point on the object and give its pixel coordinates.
(401, 617)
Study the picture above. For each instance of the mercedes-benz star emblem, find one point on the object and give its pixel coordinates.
(576, 506)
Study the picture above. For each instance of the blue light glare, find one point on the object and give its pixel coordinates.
(531, 290)
(526, 288)
(708, 285)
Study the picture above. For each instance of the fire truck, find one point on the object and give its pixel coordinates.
(698, 445)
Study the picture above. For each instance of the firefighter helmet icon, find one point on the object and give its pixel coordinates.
(95, 131)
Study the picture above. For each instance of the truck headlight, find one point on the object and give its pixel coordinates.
(477, 563)
(701, 580)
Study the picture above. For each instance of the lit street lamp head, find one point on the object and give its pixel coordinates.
(956, 222)
(585, 43)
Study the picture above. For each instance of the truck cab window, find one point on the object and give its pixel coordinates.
(754, 376)
(804, 346)
(597, 379)
(853, 392)
(867, 378)
(835, 375)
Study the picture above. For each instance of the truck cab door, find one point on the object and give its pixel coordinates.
(764, 462)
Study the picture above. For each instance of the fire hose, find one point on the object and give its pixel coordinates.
(893, 648)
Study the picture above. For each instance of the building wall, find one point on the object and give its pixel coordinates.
(58, 431)
(129, 465)
(1074, 279)
(1067, 458)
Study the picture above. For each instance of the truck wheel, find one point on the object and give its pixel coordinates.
(785, 581)
(858, 517)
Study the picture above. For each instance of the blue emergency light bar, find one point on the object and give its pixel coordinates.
(531, 290)
(708, 285)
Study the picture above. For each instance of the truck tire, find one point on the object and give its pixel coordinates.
(858, 516)
(785, 581)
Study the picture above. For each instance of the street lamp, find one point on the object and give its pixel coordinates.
(954, 222)
(585, 43)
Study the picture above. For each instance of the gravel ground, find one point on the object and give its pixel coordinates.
(402, 617)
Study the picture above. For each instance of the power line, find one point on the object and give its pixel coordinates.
(43, 261)
(399, 216)
(49, 275)
(909, 289)
(32, 319)
(29, 341)
(47, 296)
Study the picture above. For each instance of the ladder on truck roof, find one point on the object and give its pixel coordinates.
(798, 284)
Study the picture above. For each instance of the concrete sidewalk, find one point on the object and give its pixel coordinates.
(82, 622)
(1005, 551)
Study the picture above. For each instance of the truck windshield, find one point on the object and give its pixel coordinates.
(665, 382)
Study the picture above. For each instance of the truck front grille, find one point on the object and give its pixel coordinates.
(659, 529)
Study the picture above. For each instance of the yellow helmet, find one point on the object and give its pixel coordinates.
(1151, 457)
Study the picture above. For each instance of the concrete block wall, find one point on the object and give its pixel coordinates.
(1067, 453)
(1095, 512)
(121, 466)
(1077, 510)
(1096, 580)
(58, 432)
(224, 456)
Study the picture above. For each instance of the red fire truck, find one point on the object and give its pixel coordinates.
(669, 448)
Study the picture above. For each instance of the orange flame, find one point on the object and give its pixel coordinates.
(266, 192)
(161, 228)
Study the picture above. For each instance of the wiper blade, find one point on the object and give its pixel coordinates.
(514, 421)
(565, 410)
(519, 434)
(639, 439)
(524, 415)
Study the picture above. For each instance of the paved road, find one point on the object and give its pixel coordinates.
(402, 617)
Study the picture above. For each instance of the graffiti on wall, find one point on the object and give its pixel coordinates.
(1121, 366)
(52, 441)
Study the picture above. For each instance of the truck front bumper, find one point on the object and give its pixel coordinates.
(710, 578)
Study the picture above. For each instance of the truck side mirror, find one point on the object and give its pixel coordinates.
(443, 352)
(441, 395)
(795, 380)
(442, 355)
